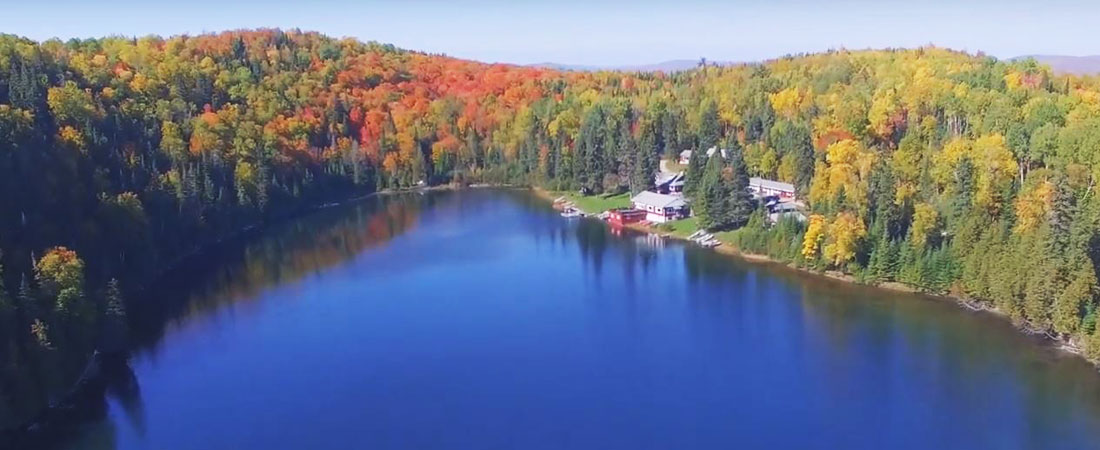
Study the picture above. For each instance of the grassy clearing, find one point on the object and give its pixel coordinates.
(681, 228)
(725, 237)
(673, 165)
(595, 204)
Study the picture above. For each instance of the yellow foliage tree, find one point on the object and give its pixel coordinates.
(1033, 206)
(815, 234)
(995, 166)
(787, 103)
(71, 104)
(844, 236)
(925, 222)
(788, 168)
(71, 137)
(885, 113)
(848, 167)
(945, 162)
(60, 274)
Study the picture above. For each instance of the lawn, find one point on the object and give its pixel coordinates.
(672, 165)
(595, 204)
(682, 227)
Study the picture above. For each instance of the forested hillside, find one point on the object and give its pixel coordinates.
(946, 171)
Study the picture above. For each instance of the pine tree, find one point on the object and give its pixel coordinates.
(694, 174)
(1061, 214)
(883, 260)
(115, 328)
(883, 209)
(963, 189)
(27, 301)
(116, 309)
(1038, 294)
(590, 150)
(1070, 304)
(709, 127)
(741, 204)
(713, 203)
(643, 161)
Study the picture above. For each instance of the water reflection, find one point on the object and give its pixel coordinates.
(288, 252)
(237, 271)
(484, 319)
(931, 357)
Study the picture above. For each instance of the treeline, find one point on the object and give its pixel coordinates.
(947, 171)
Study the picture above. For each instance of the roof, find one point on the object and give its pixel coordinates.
(659, 200)
(784, 207)
(710, 152)
(666, 177)
(685, 154)
(771, 184)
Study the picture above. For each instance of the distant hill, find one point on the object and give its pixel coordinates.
(1074, 65)
(675, 65)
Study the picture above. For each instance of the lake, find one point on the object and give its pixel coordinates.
(481, 319)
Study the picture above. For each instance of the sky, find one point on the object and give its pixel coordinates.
(595, 32)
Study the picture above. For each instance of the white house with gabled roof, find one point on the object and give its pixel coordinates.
(661, 208)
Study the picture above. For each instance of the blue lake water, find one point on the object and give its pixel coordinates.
(483, 320)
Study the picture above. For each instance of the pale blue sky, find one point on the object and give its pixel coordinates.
(599, 32)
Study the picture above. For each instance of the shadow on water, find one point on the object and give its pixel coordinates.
(285, 253)
(234, 271)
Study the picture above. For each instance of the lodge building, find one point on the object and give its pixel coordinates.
(766, 188)
(660, 208)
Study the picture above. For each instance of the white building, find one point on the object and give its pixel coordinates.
(661, 208)
(766, 188)
(685, 157)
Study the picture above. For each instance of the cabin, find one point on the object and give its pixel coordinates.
(625, 216)
(765, 188)
(670, 183)
(661, 208)
(685, 157)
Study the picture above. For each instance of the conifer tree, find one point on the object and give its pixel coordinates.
(694, 174)
(709, 127)
(741, 203)
(643, 161)
(713, 203)
(115, 328)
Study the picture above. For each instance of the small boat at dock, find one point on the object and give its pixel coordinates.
(570, 213)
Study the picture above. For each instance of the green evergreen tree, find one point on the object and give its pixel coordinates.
(643, 161)
(713, 205)
(589, 161)
(115, 327)
(741, 203)
(710, 131)
(694, 174)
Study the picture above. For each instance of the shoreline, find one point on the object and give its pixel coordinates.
(1062, 345)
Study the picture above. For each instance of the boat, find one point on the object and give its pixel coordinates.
(570, 213)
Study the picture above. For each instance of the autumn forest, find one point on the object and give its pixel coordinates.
(946, 172)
